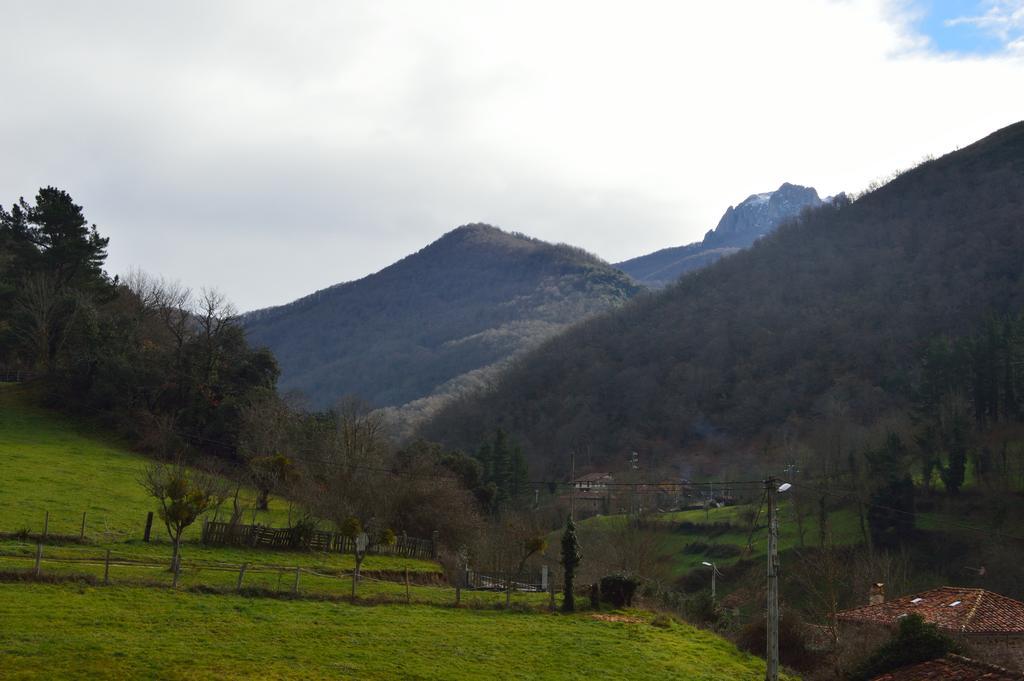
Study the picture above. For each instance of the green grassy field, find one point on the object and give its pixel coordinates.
(672, 540)
(139, 627)
(53, 464)
(70, 631)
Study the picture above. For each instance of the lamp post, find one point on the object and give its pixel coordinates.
(714, 573)
(772, 656)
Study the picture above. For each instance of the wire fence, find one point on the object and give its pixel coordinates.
(106, 567)
(256, 536)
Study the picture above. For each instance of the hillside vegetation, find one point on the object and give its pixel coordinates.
(469, 300)
(831, 314)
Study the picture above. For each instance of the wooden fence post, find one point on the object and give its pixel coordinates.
(295, 587)
(81, 535)
(149, 526)
(407, 599)
(39, 557)
(46, 524)
(106, 568)
(354, 580)
(241, 576)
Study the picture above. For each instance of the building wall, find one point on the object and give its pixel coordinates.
(1005, 651)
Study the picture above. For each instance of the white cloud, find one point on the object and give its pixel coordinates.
(1003, 19)
(271, 152)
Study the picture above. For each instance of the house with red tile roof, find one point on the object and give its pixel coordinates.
(988, 625)
(951, 668)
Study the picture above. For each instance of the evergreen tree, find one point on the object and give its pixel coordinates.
(891, 514)
(571, 558)
(53, 236)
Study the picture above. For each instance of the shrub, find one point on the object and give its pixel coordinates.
(793, 649)
(915, 641)
(619, 589)
(662, 621)
(700, 609)
(302, 533)
(723, 551)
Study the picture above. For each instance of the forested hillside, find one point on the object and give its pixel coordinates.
(467, 301)
(740, 226)
(833, 312)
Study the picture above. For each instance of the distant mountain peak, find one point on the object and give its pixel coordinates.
(739, 227)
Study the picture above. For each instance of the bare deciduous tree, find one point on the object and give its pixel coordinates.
(184, 495)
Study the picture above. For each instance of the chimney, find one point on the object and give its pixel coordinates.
(877, 594)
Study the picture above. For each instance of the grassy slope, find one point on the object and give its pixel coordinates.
(126, 631)
(121, 632)
(49, 463)
(672, 542)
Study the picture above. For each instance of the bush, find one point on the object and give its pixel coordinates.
(793, 649)
(915, 641)
(723, 551)
(302, 533)
(619, 589)
(662, 621)
(695, 547)
(700, 609)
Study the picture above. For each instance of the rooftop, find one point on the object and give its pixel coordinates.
(950, 668)
(594, 477)
(953, 608)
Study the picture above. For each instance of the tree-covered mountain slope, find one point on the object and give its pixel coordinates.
(740, 226)
(471, 299)
(833, 308)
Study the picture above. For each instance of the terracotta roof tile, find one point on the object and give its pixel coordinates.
(957, 609)
(950, 668)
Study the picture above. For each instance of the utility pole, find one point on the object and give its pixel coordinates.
(772, 656)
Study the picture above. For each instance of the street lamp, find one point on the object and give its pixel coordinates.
(714, 573)
(772, 653)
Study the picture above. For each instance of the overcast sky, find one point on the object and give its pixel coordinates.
(271, 149)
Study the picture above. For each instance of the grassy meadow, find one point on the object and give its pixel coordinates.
(73, 631)
(49, 463)
(70, 625)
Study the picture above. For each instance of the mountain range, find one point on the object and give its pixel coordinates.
(739, 227)
(437, 322)
(827, 317)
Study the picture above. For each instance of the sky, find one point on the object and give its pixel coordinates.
(270, 149)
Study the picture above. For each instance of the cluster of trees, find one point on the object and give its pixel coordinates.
(170, 368)
(503, 469)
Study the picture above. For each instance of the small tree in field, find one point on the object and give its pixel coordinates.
(571, 557)
(184, 495)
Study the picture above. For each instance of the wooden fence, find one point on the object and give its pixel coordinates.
(20, 562)
(226, 534)
(498, 580)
